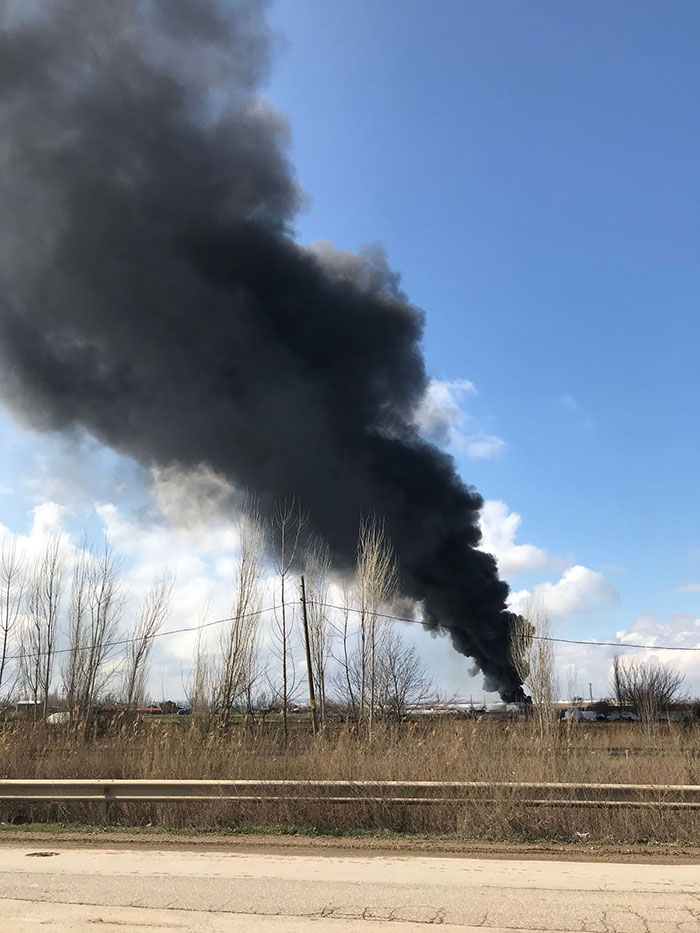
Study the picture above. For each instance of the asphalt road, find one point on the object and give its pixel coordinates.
(75, 889)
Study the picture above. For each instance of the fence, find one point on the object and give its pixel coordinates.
(414, 793)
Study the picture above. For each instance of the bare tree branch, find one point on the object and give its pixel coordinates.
(402, 678)
(286, 531)
(533, 657)
(317, 571)
(646, 685)
(152, 615)
(239, 643)
(38, 643)
(13, 582)
(376, 584)
(97, 601)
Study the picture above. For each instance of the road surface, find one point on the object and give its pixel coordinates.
(100, 890)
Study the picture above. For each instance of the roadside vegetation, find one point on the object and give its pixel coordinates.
(79, 657)
(437, 751)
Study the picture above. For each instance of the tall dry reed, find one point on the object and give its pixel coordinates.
(440, 751)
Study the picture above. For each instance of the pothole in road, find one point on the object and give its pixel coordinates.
(41, 854)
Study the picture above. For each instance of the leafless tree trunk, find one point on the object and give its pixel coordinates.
(376, 584)
(12, 586)
(534, 659)
(73, 671)
(617, 683)
(317, 571)
(239, 645)
(647, 686)
(39, 636)
(97, 601)
(287, 527)
(152, 615)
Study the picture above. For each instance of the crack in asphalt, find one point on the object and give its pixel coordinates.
(605, 924)
(622, 919)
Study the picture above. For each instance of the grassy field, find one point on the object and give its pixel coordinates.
(461, 751)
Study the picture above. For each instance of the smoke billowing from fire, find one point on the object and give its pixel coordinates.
(151, 293)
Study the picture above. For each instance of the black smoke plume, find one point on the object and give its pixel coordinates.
(152, 294)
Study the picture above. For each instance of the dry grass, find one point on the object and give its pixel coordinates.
(442, 751)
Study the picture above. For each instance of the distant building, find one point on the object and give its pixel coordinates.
(28, 706)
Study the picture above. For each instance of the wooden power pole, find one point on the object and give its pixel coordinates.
(312, 696)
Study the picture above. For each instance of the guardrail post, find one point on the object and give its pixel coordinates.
(107, 807)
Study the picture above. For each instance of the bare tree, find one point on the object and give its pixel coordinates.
(402, 677)
(645, 685)
(12, 586)
(239, 643)
(616, 681)
(402, 680)
(286, 530)
(317, 570)
(199, 694)
(376, 581)
(200, 687)
(344, 681)
(152, 615)
(534, 659)
(73, 670)
(38, 642)
(98, 596)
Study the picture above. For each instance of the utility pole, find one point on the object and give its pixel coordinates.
(590, 691)
(312, 696)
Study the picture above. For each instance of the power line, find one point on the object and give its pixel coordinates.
(130, 641)
(381, 615)
(618, 644)
(567, 641)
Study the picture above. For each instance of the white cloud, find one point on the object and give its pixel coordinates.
(580, 589)
(47, 518)
(499, 528)
(689, 588)
(201, 556)
(571, 405)
(440, 414)
(485, 446)
(681, 630)
(441, 418)
(593, 663)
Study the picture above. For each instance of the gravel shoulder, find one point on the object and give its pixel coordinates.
(151, 838)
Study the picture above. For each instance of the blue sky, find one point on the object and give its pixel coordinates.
(532, 170)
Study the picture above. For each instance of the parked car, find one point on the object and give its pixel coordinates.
(574, 714)
(672, 715)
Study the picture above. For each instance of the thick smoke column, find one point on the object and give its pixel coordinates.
(152, 294)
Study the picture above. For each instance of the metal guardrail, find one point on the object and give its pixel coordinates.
(676, 796)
